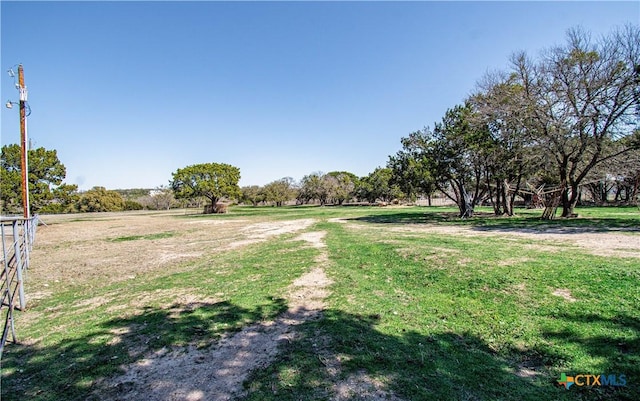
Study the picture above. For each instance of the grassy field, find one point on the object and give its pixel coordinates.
(422, 305)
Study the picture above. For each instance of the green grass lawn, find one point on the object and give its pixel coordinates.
(429, 315)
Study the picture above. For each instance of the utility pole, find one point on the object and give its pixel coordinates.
(23, 139)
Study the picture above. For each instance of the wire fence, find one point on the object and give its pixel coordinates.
(18, 236)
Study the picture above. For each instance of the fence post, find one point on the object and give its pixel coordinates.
(25, 247)
(18, 256)
(7, 291)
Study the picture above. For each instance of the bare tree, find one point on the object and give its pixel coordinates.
(582, 99)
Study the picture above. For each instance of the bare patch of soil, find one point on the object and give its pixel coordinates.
(108, 247)
(363, 387)
(513, 261)
(600, 243)
(525, 372)
(194, 374)
(315, 238)
(564, 293)
(259, 232)
(218, 373)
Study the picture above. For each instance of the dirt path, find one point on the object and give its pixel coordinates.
(597, 243)
(217, 374)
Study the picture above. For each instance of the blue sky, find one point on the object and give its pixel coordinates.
(128, 92)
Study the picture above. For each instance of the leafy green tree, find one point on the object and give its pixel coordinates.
(10, 180)
(45, 177)
(509, 153)
(213, 181)
(253, 194)
(280, 191)
(65, 200)
(132, 205)
(312, 187)
(133, 193)
(99, 199)
(341, 186)
(410, 171)
(452, 153)
(377, 185)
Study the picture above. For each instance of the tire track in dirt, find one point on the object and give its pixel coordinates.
(217, 374)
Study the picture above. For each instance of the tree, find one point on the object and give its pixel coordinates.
(133, 193)
(451, 153)
(377, 185)
(46, 174)
(620, 177)
(410, 171)
(161, 198)
(628, 179)
(280, 191)
(132, 205)
(340, 186)
(509, 154)
(65, 200)
(214, 181)
(253, 194)
(99, 199)
(312, 187)
(334, 187)
(582, 98)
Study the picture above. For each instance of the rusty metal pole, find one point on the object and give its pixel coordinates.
(23, 140)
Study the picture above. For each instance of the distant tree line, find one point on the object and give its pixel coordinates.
(218, 184)
(333, 188)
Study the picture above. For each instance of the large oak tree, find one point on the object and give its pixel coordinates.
(213, 181)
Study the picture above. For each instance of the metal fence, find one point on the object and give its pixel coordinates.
(18, 236)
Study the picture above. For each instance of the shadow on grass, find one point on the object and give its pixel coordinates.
(344, 357)
(68, 369)
(619, 353)
(339, 357)
(526, 223)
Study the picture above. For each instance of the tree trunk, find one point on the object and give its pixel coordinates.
(618, 191)
(512, 196)
(569, 201)
(505, 200)
(211, 208)
(465, 204)
(495, 199)
(634, 192)
(603, 193)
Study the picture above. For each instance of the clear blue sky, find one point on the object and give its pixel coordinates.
(128, 92)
